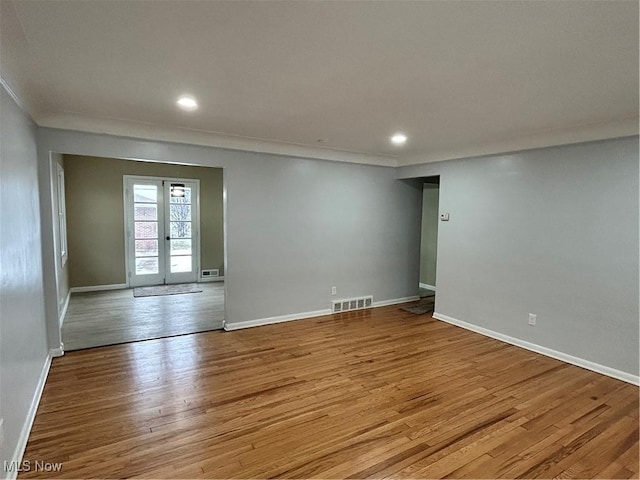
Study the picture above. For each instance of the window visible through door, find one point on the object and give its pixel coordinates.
(162, 230)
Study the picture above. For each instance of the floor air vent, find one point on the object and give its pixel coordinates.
(349, 304)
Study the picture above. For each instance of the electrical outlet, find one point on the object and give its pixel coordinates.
(532, 319)
(334, 290)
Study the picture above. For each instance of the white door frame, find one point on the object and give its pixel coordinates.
(126, 179)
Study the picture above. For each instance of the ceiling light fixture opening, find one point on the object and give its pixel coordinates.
(187, 103)
(399, 139)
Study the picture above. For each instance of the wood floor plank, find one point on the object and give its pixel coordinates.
(379, 393)
(111, 317)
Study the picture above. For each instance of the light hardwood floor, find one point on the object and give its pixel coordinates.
(378, 394)
(115, 316)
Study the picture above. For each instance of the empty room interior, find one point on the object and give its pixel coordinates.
(116, 214)
(341, 239)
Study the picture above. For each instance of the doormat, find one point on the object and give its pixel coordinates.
(419, 309)
(160, 290)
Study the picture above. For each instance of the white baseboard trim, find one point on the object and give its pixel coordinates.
(210, 279)
(565, 357)
(31, 415)
(98, 288)
(57, 352)
(395, 301)
(269, 320)
(301, 316)
(63, 313)
(427, 286)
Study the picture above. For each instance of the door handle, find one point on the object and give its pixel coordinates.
(168, 237)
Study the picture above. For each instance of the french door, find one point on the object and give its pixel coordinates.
(162, 230)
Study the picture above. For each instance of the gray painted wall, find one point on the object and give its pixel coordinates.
(429, 235)
(23, 341)
(294, 227)
(551, 231)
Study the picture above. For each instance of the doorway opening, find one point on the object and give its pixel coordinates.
(429, 240)
(141, 225)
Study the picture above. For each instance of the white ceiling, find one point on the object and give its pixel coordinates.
(459, 78)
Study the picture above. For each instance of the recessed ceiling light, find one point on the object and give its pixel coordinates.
(187, 103)
(399, 139)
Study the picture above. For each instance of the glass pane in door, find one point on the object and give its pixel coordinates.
(180, 247)
(180, 219)
(145, 193)
(181, 263)
(146, 248)
(146, 266)
(180, 211)
(145, 211)
(145, 229)
(180, 229)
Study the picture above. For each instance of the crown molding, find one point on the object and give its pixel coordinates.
(11, 93)
(16, 98)
(622, 127)
(151, 131)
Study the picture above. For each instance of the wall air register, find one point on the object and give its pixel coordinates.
(349, 304)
